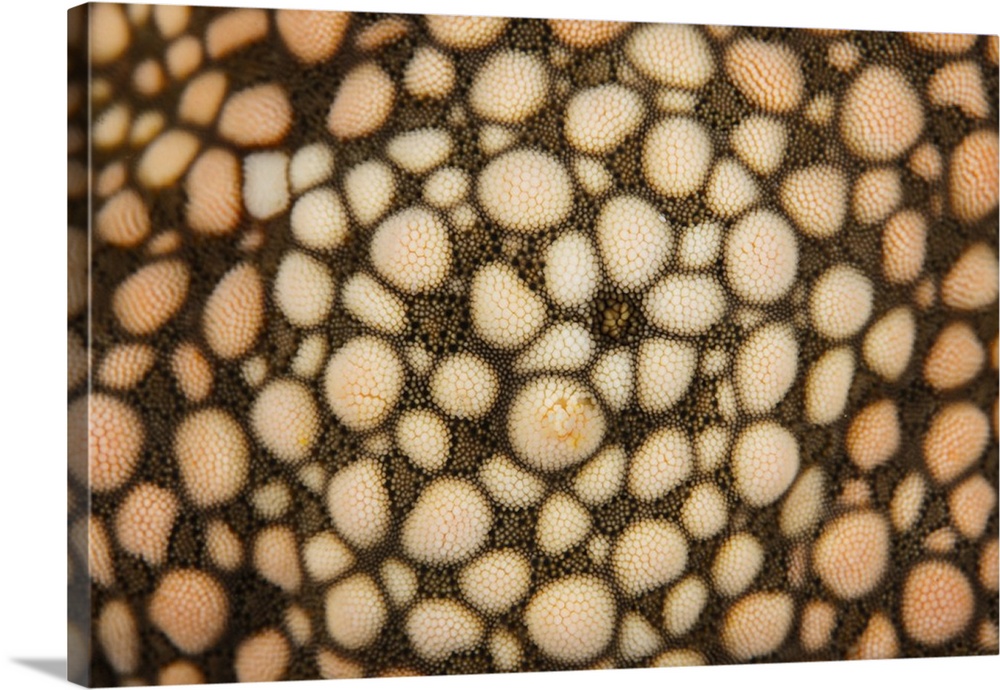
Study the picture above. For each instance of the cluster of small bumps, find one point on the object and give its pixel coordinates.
(460, 344)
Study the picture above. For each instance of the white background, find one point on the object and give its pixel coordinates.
(32, 333)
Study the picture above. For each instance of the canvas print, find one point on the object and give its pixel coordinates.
(414, 345)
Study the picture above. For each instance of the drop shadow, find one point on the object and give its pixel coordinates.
(50, 667)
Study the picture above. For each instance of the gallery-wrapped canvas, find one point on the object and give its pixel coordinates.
(413, 345)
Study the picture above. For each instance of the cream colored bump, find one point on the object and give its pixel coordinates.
(637, 639)
(420, 150)
(525, 190)
(262, 657)
(382, 33)
(202, 97)
(423, 437)
(449, 522)
(167, 158)
(683, 605)
(973, 176)
(761, 257)
(311, 165)
(907, 502)
(363, 102)
(765, 461)
(554, 423)
(509, 484)
(970, 505)
(411, 250)
(223, 546)
(118, 634)
(877, 641)
(841, 302)
(704, 513)
(148, 78)
(737, 564)
(731, 189)
(600, 118)
(572, 620)
(676, 156)
(874, 435)
(937, 603)
(109, 33)
(125, 365)
(664, 370)
(166, 242)
(214, 199)
(510, 87)
(358, 503)
(494, 139)
(634, 240)
(828, 382)
(804, 505)
(111, 179)
(151, 296)
(820, 110)
(972, 281)
(146, 126)
(852, 554)
(94, 538)
(465, 33)
(760, 143)
(276, 557)
(562, 523)
(564, 346)
(955, 440)
(265, 184)
(988, 569)
(235, 30)
(303, 289)
(372, 304)
(213, 456)
(183, 57)
(286, 420)
(234, 312)
(671, 54)
(505, 650)
(819, 618)
(601, 478)
(319, 220)
(843, 55)
(369, 188)
(312, 36)
(111, 127)
(326, 557)
(685, 304)
(959, 84)
(584, 33)
(888, 344)
(699, 245)
(816, 200)
(904, 240)
(438, 628)
(446, 187)
(992, 49)
(765, 367)
(881, 116)
(591, 175)
(332, 665)
(946, 44)
(660, 464)
(612, 376)
(145, 521)
(254, 370)
(757, 624)
(272, 500)
(941, 541)
(182, 671)
(355, 612)
(363, 381)
(496, 581)
(676, 101)
(464, 386)
(926, 162)
(877, 193)
(506, 313)
(955, 357)
(767, 74)
(400, 582)
(257, 116)
(710, 447)
(191, 608)
(571, 270)
(429, 73)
